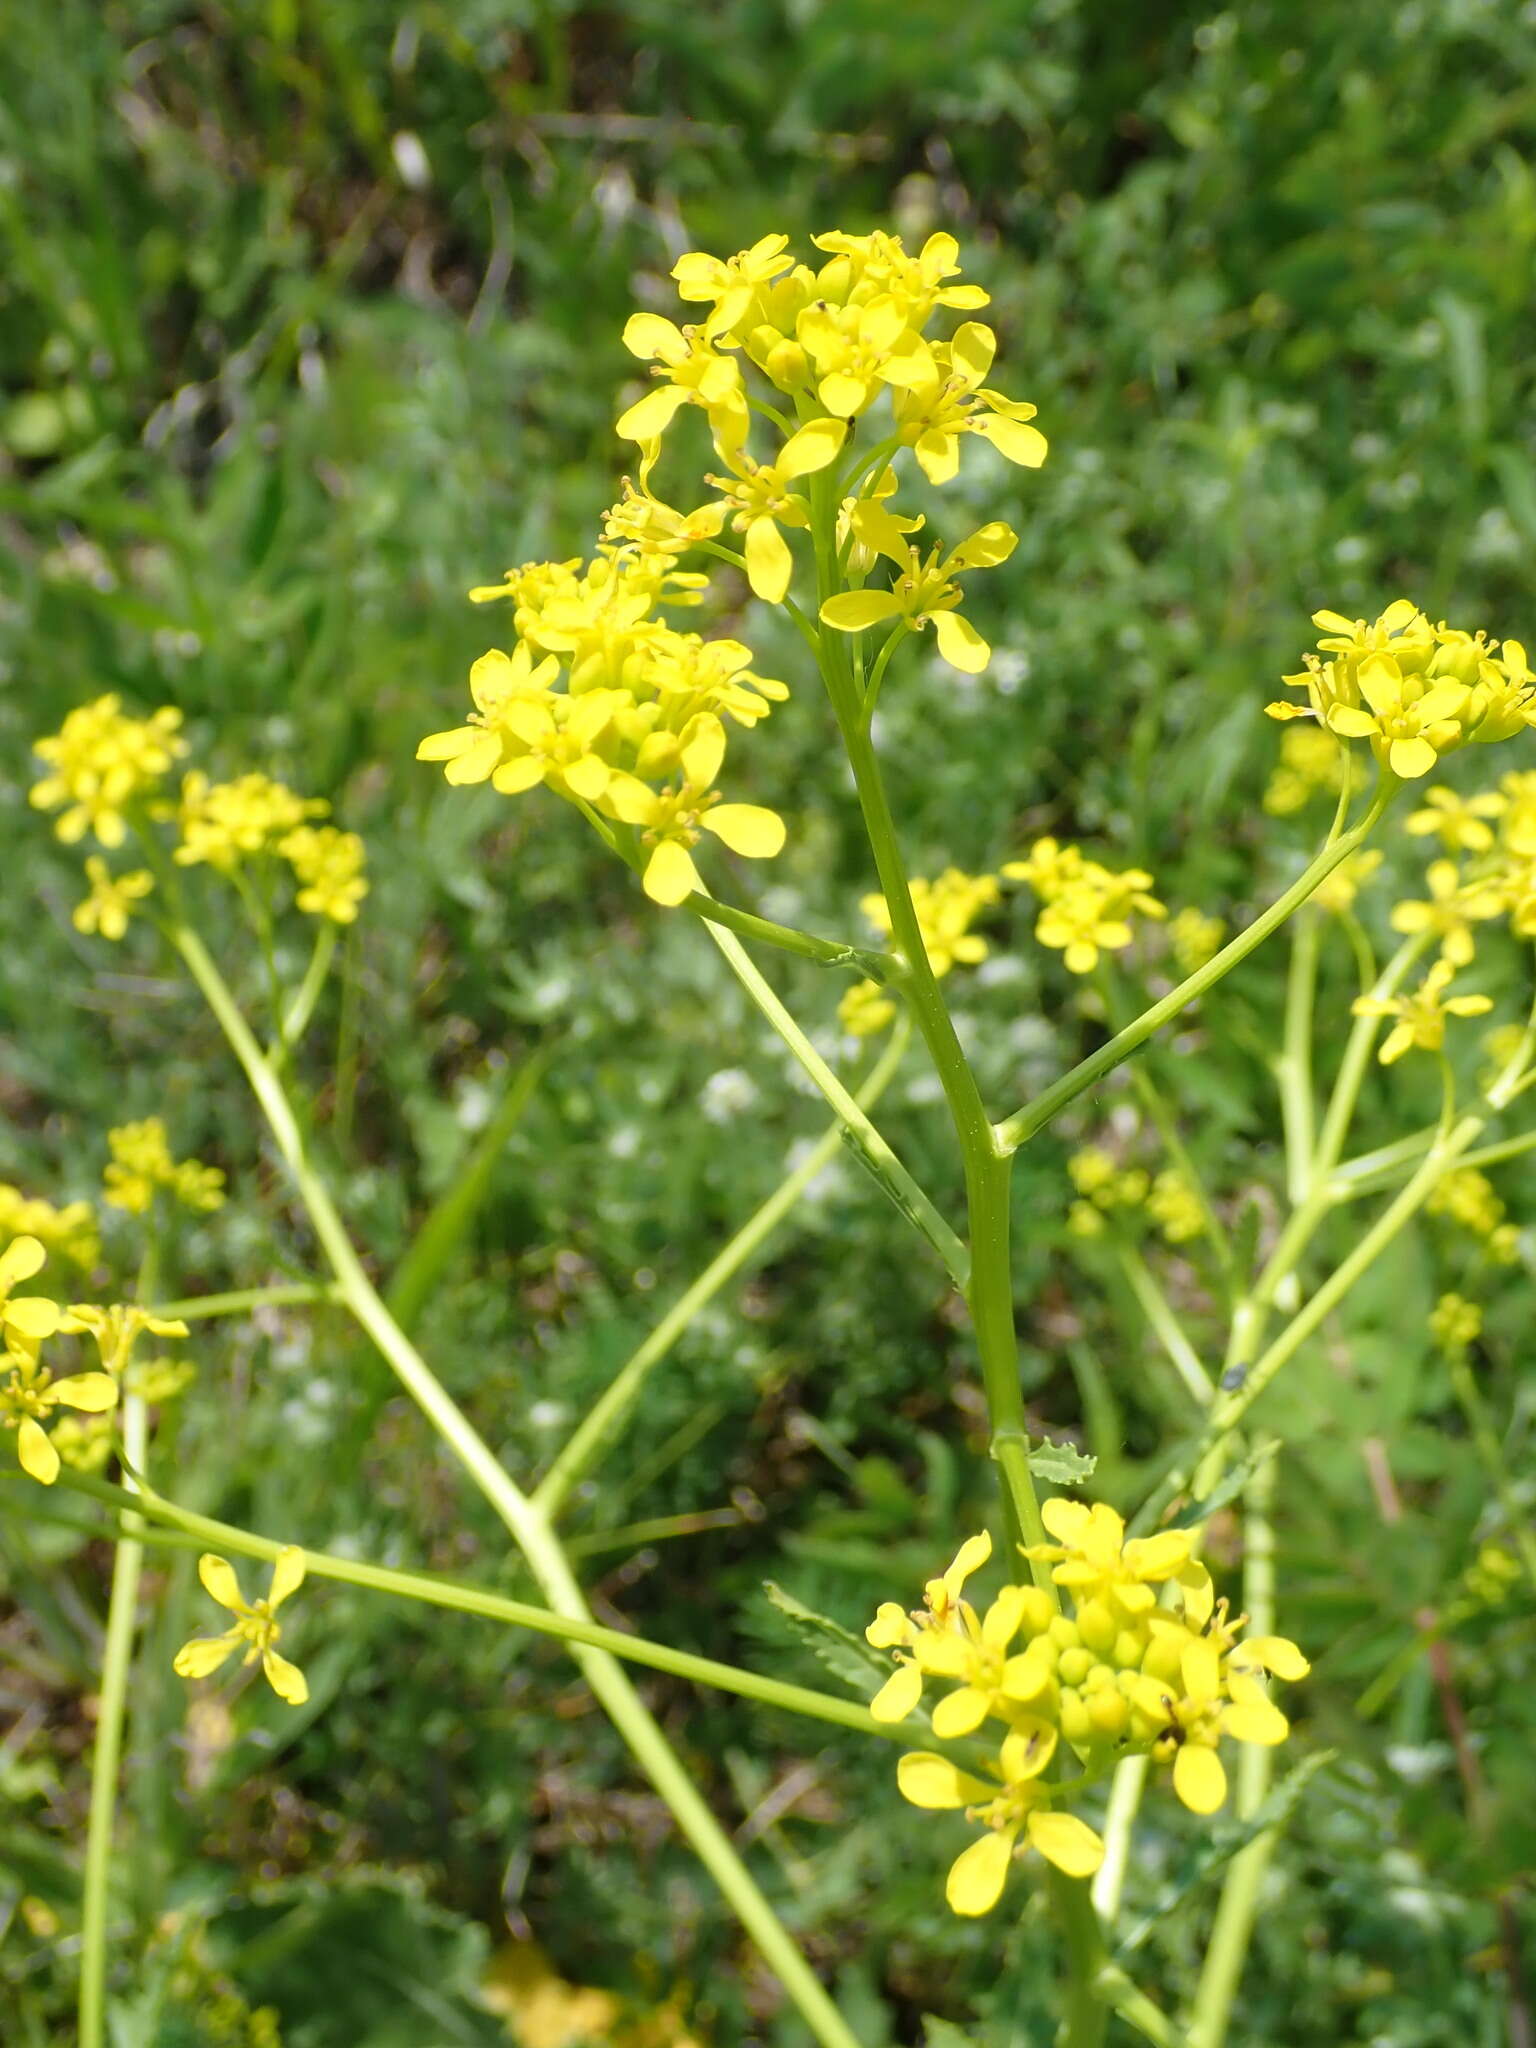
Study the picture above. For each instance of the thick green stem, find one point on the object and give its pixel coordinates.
(1085, 2015)
(527, 1526)
(1017, 1129)
(601, 1422)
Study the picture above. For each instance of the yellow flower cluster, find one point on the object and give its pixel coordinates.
(945, 908)
(1194, 938)
(106, 768)
(1415, 691)
(256, 1629)
(101, 763)
(1455, 1323)
(637, 734)
(612, 707)
(1107, 1188)
(30, 1393)
(1422, 1014)
(1086, 909)
(141, 1164)
(70, 1231)
(223, 824)
(1467, 1197)
(1492, 1576)
(1118, 1675)
(1311, 761)
(1489, 866)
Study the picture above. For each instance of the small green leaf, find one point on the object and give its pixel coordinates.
(1061, 1464)
(1229, 1487)
(844, 1654)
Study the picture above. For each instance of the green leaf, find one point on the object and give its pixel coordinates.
(1061, 1464)
(1229, 1487)
(845, 1655)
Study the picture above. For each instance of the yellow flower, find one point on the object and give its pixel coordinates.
(730, 286)
(1081, 922)
(760, 500)
(141, 1163)
(328, 866)
(223, 823)
(29, 1393)
(924, 591)
(865, 1009)
(1211, 1703)
(1460, 822)
(692, 373)
(655, 529)
(1173, 1206)
(1020, 1804)
(1049, 868)
(102, 763)
(109, 906)
(70, 1230)
(1455, 1323)
(1420, 1016)
(116, 1329)
(1468, 1198)
(944, 910)
(1337, 891)
(931, 417)
(944, 1607)
(1409, 721)
(255, 1628)
(1195, 939)
(670, 822)
(1448, 912)
(474, 752)
(855, 350)
(1311, 759)
(1095, 1562)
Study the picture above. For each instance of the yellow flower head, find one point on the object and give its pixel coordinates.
(1409, 720)
(931, 417)
(141, 1164)
(944, 1608)
(1311, 760)
(1015, 1803)
(760, 498)
(116, 1329)
(945, 910)
(1174, 1207)
(1421, 1016)
(1195, 939)
(924, 591)
(328, 865)
(29, 1393)
(111, 901)
(1460, 823)
(102, 762)
(256, 1629)
(69, 1231)
(1455, 1323)
(1449, 912)
(865, 1009)
(224, 823)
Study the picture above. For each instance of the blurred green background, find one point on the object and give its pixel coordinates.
(309, 319)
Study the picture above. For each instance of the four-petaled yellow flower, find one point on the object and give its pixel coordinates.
(29, 1393)
(944, 1607)
(760, 500)
(692, 373)
(1203, 1705)
(1020, 1804)
(1409, 721)
(109, 906)
(1460, 822)
(256, 1627)
(931, 417)
(1448, 913)
(924, 591)
(1420, 1016)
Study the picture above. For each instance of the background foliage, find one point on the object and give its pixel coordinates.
(309, 318)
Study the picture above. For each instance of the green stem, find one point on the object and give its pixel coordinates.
(865, 960)
(988, 1175)
(302, 1008)
(876, 1154)
(1138, 2011)
(287, 1294)
(432, 1591)
(106, 1756)
(1232, 1931)
(601, 1422)
(872, 688)
(1294, 1068)
(1017, 1129)
(1167, 1328)
(1353, 1067)
(527, 1526)
(1125, 1790)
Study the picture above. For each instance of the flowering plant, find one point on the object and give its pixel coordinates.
(832, 391)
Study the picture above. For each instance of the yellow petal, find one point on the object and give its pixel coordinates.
(1153, 1558)
(1253, 1718)
(747, 829)
(39, 1460)
(938, 455)
(670, 874)
(935, 1784)
(1016, 439)
(899, 1695)
(1027, 1749)
(285, 1679)
(1348, 719)
(91, 1392)
(219, 1581)
(853, 611)
(649, 417)
(959, 1713)
(971, 350)
(653, 339)
(1198, 1778)
(812, 448)
(287, 1574)
(701, 749)
(960, 643)
(976, 1877)
(204, 1654)
(1411, 758)
(1067, 1842)
(473, 761)
(769, 562)
(970, 1557)
(518, 774)
(33, 1315)
(1001, 1622)
(889, 1627)
(843, 394)
(23, 1257)
(1200, 1669)
(587, 777)
(1273, 1653)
